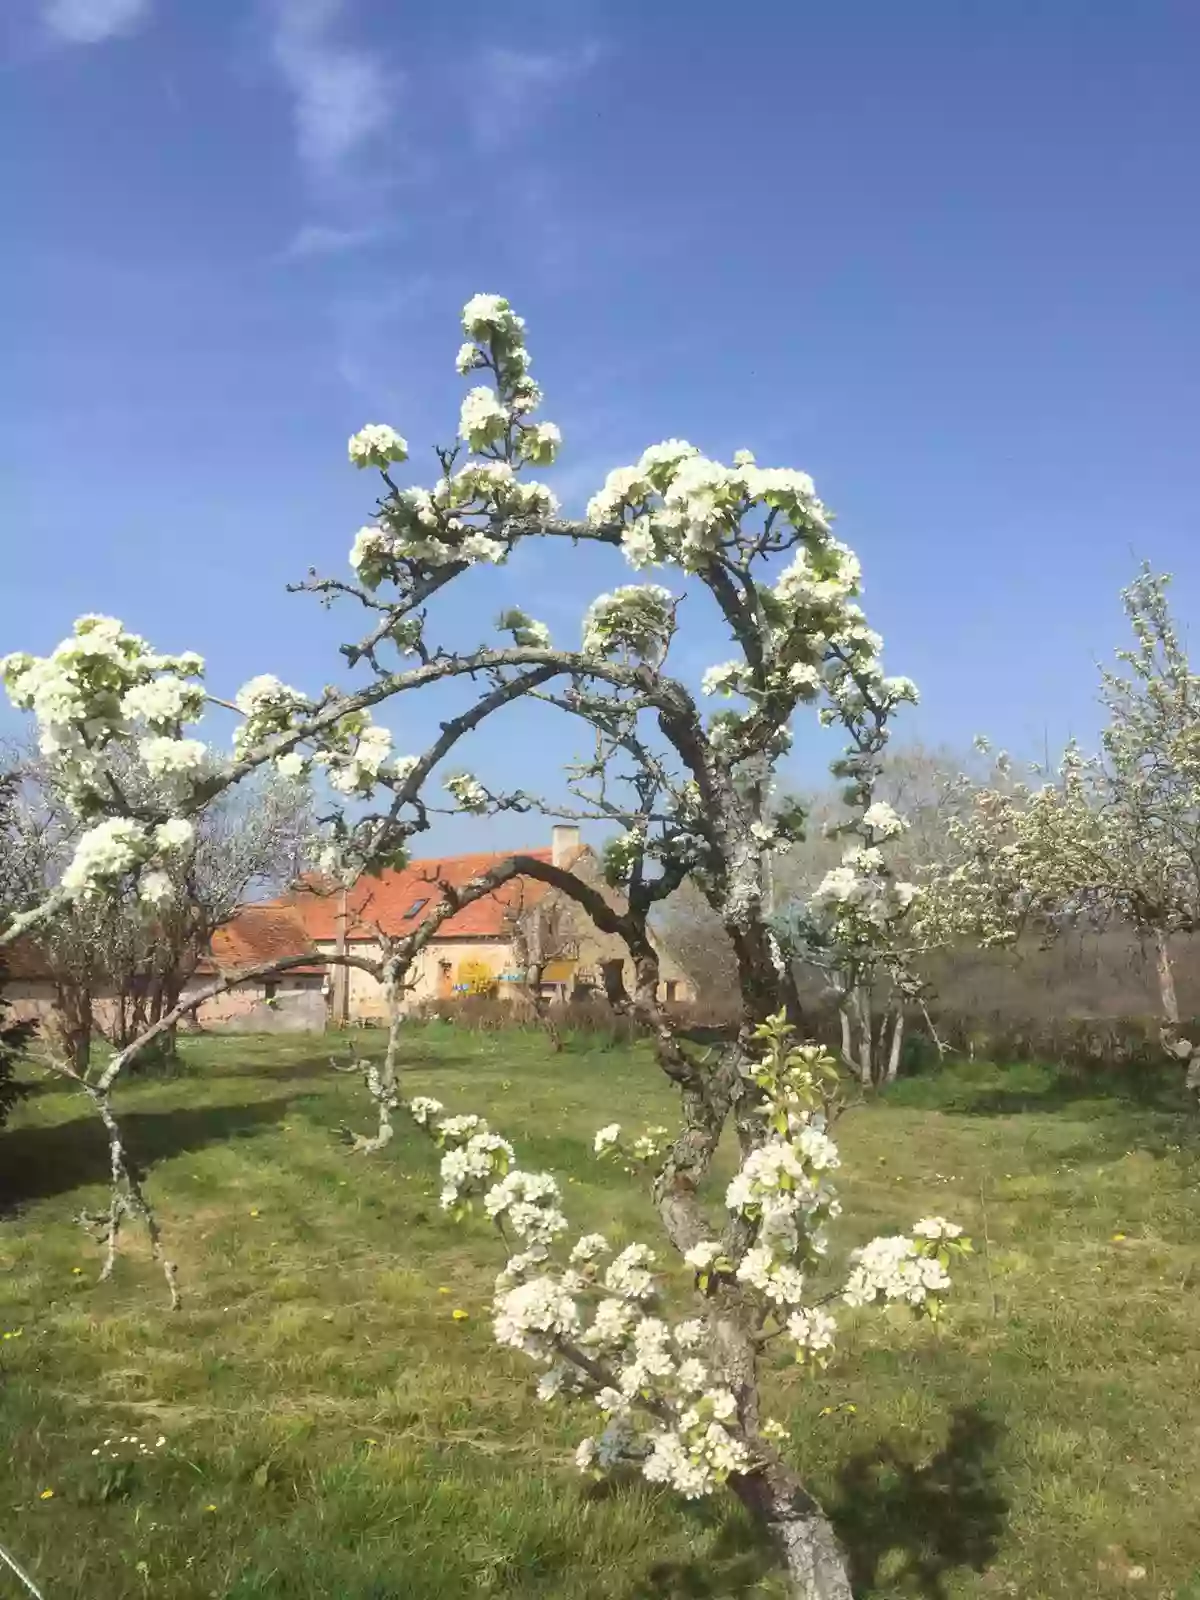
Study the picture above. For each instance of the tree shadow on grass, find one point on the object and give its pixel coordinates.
(735, 1562)
(37, 1163)
(907, 1523)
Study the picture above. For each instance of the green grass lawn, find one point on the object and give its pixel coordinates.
(330, 1429)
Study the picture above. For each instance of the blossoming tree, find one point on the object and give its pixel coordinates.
(1115, 838)
(690, 794)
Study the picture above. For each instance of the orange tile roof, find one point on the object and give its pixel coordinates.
(260, 933)
(391, 899)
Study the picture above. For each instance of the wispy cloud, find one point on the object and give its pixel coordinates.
(515, 86)
(342, 95)
(92, 21)
(321, 239)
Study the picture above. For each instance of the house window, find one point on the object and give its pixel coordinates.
(416, 906)
(270, 989)
(672, 988)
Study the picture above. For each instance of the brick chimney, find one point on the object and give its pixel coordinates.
(564, 842)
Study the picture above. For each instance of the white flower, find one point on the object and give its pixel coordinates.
(528, 1202)
(635, 619)
(467, 791)
(606, 1138)
(813, 1331)
(882, 821)
(166, 758)
(370, 545)
(804, 676)
(486, 314)
(690, 1335)
(701, 1256)
(898, 689)
(627, 1274)
(484, 420)
(724, 679)
(936, 1228)
(841, 886)
(155, 887)
(612, 1324)
(589, 1247)
(555, 1380)
(892, 1269)
(468, 358)
(377, 445)
(692, 1375)
(162, 700)
(530, 1316)
(177, 833)
(639, 545)
(423, 1109)
(623, 487)
(540, 443)
(103, 854)
(291, 765)
(262, 693)
(485, 1155)
(660, 462)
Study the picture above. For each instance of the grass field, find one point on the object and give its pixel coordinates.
(331, 1429)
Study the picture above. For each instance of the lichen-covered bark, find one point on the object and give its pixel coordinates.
(800, 1531)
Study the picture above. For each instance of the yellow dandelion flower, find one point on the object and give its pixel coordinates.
(76, 1271)
(254, 1211)
(443, 1289)
(459, 1315)
(210, 1508)
(46, 1494)
(1118, 1238)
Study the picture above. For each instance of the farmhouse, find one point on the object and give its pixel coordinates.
(485, 947)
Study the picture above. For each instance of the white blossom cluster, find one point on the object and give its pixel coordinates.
(377, 445)
(676, 505)
(894, 1269)
(468, 792)
(661, 1405)
(117, 847)
(636, 620)
(474, 512)
(593, 1319)
(526, 630)
(101, 692)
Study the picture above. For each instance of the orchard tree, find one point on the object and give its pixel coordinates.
(692, 794)
(1116, 838)
(15, 884)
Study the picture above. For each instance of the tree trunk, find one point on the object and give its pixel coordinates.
(774, 1496)
(1183, 1050)
(893, 1066)
(1166, 979)
(847, 1037)
(862, 1006)
(800, 1531)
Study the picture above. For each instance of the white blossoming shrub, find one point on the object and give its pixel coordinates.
(595, 1322)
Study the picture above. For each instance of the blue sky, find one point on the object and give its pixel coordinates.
(945, 256)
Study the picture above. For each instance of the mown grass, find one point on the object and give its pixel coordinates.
(332, 1430)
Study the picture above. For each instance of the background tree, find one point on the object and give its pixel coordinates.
(117, 962)
(1115, 840)
(692, 795)
(14, 888)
